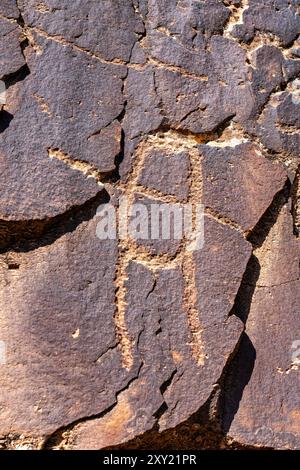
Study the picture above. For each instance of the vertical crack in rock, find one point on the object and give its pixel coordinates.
(164, 386)
(20, 18)
(16, 76)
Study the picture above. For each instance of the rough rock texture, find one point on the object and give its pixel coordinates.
(274, 355)
(138, 343)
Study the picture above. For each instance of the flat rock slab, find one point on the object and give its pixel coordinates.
(90, 26)
(58, 100)
(166, 173)
(59, 334)
(226, 170)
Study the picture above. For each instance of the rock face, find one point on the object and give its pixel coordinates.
(275, 353)
(136, 337)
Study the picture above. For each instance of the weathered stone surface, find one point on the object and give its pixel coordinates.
(278, 128)
(11, 58)
(188, 19)
(268, 411)
(193, 383)
(79, 121)
(227, 170)
(171, 379)
(142, 113)
(163, 102)
(154, 238)
(104, 146)
(270, 72)
(9, 8)
(166, 173)
(277, 17)
(201, 104)
(59, 334)
(90, 26)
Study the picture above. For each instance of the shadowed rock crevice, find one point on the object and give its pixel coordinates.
(25, 236)
(114, 176)
(158, 414)
(16, 77)
(5, 120)
(245, 293)
(209, 426)
(258, 235)
(237, 377)
(9, 80)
